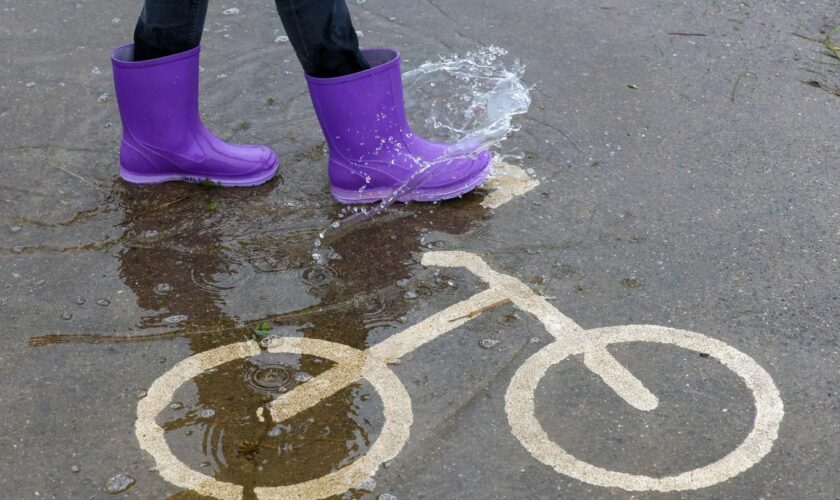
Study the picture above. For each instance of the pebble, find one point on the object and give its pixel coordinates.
(66, 316)
(411, 294)
(30, 84)
(15, 229)
(386, 496)
(116, 20)
(96, 70)
(80, 300)
(151, 233)
(360, 34)
(207, 413)
(489, 343)
(104, 302)
(74, 468)
(103, 98)
(176, 406)
(162, 288)
(303, 377)
(140, 393)
(281, 39)
(231, 11)
(119, 483)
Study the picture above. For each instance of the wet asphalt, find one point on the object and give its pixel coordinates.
(687, 154)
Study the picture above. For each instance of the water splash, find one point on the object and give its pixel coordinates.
(467, 101)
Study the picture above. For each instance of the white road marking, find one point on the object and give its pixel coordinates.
(507, 182)
(620, 380)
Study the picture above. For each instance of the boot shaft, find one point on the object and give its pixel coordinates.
(363, 114)
(157, 98)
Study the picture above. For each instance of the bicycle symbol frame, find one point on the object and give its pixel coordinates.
(352, 365)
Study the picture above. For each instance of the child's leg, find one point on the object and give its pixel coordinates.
(323, 36)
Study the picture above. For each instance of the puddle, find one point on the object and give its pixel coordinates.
(208, 267)
(214, 427)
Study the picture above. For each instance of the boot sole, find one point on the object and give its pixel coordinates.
(255, 180)
(349, 197)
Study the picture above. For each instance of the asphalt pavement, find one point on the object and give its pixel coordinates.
(678, 167)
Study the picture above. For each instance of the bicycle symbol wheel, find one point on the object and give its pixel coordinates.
(394, 434)
(519, 406)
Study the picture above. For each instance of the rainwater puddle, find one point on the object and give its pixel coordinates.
(219, 423)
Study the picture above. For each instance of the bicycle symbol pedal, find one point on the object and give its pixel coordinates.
(352, 365)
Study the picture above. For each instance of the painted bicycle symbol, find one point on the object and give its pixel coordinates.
(352, 365)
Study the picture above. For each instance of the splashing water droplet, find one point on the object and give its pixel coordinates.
(468, 101)
(489, 343)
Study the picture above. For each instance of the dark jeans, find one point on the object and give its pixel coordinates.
(320, 32)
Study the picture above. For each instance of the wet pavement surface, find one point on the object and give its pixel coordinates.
(687, 160)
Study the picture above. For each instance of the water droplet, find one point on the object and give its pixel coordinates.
(66, 316)
(231, 11)
(115, 20)
(175, 319)
(176, 406)
(118, 484)
(281, 39)
(80, 300)
(207, 413)
(104, 302)
(489, 343)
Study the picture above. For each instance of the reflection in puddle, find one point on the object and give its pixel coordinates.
(214, 427)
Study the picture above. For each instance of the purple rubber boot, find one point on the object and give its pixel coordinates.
(163, 136)
(372, 148)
